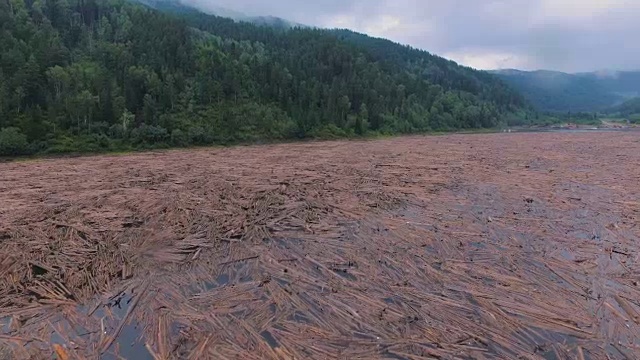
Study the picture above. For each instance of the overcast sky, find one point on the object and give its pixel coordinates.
(565, 35)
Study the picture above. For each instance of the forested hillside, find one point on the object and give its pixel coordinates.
(560, 92)
(85, 75)
(630, 110)
(552, 91)
(628, 107)
(624, 83)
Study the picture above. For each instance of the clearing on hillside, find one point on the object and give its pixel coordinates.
(462, 246)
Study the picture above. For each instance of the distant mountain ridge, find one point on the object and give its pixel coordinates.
(556, 91)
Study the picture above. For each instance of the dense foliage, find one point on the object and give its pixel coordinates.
(86, 75)
(628, 107)
(628, 110)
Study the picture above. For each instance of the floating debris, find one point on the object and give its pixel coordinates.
(404, 248)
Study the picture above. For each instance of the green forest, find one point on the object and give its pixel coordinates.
(88, 76)
(557, 92)
(628, 110)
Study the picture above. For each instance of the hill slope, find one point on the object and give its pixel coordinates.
(87, 75)
(625, 84)
(629, 109)
(177, 6)
(562, 92)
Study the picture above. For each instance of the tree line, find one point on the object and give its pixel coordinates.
(86, 75)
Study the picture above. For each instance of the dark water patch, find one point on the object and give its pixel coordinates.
(544, 339)
(363, 336)
(119, 304)
(5, 325)
(437, 265)
(546, 352)
(286, 243)
(315, 308)
(221, 280)
(67, 330)
(130, 344)
(617, 351)
(130, 341)
(203, 286)
(36, 270)
(391, 355)
(349, 232)
(300, 318)
(472, 300)
(245, 279)
(581, 234)
(240, 314)
(344, 273)
(388, 265)
(266, 335)
(175, 328)
(241, 273)
(547, 272)
(567, 255)
(429, 249)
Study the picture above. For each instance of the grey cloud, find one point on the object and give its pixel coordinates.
(566, 35)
